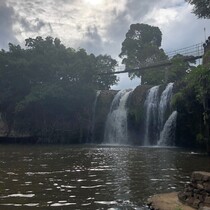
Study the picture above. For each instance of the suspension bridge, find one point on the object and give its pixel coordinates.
(190, 53)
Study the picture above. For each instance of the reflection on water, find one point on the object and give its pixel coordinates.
(94, 177)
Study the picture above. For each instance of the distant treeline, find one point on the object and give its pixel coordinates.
(47, 89)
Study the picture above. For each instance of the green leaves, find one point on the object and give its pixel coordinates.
(199, 81)
(140, 48)
(201, 8)
(47, 86)
(105, 64)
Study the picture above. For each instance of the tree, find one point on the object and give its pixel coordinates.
(48, 88)
(199, 81)
(179, 69)
(201, 8)
(190, 103)
(14, 83)
(141, 47)
(105, 64)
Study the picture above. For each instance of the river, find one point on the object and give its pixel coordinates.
(91, 177)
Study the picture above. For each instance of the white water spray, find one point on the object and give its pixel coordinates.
(116, 123)
(92, 128)
(165, 100)
(167, 135)
(151, 105)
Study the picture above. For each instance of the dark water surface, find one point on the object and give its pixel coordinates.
(91, 177)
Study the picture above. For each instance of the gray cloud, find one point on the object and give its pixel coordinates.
(119, 26)
(134, 12)
(6, 24)
(116, 31)
(137, 9)
(33, 25)
(92, 41)
(100, 28)
(68, 1)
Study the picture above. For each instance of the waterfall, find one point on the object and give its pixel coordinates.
(151, 105)
(167, 135)
(116, 123)
(92, 127)
(159, 130)
(165, 100)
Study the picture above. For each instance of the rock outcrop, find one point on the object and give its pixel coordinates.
(136, 113)
(197, 192)
(196, 195)
(102, 109)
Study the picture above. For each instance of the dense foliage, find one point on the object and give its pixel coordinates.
(140, 48)
(189, 100)
(193, 97)
(45, 86)
(201, 8)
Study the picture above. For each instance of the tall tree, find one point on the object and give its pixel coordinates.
(141, 47)
(201, 8)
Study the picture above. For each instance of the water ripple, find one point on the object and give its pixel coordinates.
(92, 177)
(19, 195)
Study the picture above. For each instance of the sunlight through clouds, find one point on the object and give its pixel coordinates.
(99, 26)
(95, 2)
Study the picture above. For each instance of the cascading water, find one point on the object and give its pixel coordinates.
(159, 130)
(151, 105)
(92, 128)
(165, 100)
(116, 123)
(167, 135)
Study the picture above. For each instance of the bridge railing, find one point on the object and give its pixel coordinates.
(192, 52)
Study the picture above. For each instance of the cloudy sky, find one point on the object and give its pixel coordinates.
(99, 26)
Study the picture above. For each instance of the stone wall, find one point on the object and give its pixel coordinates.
(197, 192)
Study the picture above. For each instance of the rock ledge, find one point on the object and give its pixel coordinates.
(168, 201)
(196, 195)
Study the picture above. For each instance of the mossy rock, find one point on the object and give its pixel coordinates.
(102, 109)
(136, 114)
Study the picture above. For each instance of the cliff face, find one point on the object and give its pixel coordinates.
(102, 109)
(82, 130)
(136, 114)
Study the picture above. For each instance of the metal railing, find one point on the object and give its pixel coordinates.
(191, 53)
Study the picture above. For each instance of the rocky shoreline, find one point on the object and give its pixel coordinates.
(168, 201)
(195, 195)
